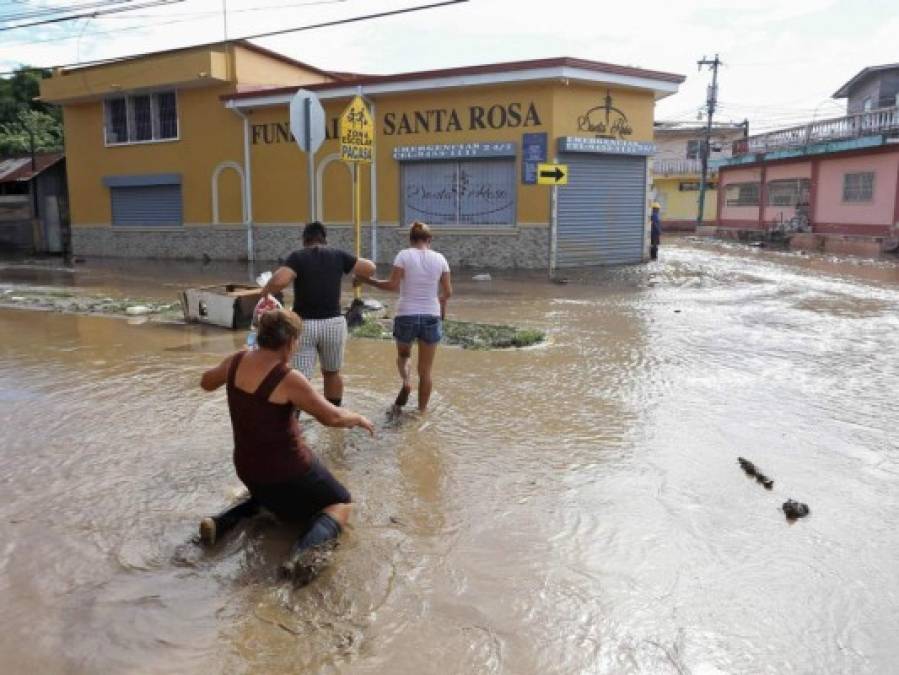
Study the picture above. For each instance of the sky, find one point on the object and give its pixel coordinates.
(782, 60)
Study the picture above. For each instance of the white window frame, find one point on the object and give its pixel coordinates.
(155, 123)
(698, 153)
(869, 198)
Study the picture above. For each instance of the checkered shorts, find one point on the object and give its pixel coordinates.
(322, 338)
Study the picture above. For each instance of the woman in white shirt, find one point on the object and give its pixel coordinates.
(422, 277)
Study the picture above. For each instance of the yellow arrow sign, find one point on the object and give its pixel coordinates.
(552, 174)
(357, 133)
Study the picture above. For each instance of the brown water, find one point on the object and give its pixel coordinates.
(570, 508)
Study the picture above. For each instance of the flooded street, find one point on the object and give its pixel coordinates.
(574, 507)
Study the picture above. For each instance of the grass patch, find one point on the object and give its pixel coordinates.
(465, 334)
(372, 328)
(470, 335)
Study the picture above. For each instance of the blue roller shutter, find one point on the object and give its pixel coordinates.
(150, 205)
(602, 210)
(145, 200)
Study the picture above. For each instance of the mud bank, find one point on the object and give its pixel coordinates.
(469, 335)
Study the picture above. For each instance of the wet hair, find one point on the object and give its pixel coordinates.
(418, 231)
(277, 328)
(314, 233)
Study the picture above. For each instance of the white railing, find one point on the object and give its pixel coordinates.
(881, 121)
(678, 167)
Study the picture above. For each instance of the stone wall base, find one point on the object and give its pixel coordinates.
(837, 244)
(525, 248)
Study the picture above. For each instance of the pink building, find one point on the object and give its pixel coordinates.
(835, 182)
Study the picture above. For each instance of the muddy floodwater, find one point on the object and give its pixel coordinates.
(571, 508)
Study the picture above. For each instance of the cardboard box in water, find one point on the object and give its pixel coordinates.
(230, 306)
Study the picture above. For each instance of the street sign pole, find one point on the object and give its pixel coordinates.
(553, 231)
(357, 141)
(307, 124)
(553, 174)
(357, 216)
(310, 156)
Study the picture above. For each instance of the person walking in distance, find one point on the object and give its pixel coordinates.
(316, 271)
(422, 277)
(655, 233)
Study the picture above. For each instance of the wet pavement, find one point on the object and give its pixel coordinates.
(574, 507)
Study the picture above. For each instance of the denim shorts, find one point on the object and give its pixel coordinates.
(425, 327)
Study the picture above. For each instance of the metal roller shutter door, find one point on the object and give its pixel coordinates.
(602, 210)
(146, 205)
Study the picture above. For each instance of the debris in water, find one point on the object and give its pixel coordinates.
(752, 470)
(482, 277)
(794, 509)
(354, 315)
(137, 310)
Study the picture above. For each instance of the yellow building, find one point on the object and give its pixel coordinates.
(677, 170)
(189, 152)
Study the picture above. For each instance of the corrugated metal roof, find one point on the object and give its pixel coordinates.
(843, 92)
(18, 169)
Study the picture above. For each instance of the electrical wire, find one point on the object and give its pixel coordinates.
(91, 15)
(283, 31)
(187, 17)
(44, 11)
(190, 16)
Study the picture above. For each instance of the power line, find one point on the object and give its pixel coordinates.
(190, 16)
(711, 100)
(45, 11)
(91, 15)
(283, 31)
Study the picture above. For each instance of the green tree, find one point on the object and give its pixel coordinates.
(27, 127)
(21, 116)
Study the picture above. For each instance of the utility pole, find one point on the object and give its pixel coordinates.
(705, 151)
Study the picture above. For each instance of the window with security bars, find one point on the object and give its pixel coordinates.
(141, 118)
(693, 149)
(742, 194)
(460, 192)
(858, 187)
(789, 192)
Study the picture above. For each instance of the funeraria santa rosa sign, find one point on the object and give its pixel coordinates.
(440, 120)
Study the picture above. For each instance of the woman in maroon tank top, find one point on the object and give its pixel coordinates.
(270, 455)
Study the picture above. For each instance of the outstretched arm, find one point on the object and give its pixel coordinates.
(214, 378)
(390, 284)
(307, 399)
(446, 292)
(282, 277)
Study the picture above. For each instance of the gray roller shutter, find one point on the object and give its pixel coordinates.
(146, 205)
(602, 210)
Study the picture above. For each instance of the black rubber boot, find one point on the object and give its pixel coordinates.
(215, 527)
(310, 553)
